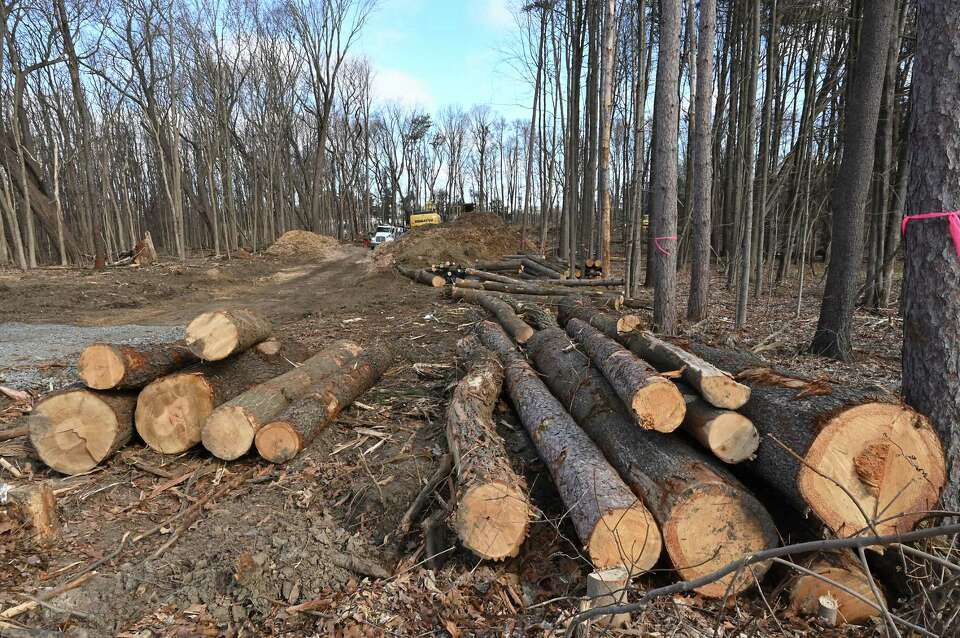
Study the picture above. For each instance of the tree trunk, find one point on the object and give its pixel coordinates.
(281, 440)
(229, 431)
(729, 435)
(572, 308)
(931, 365)
(606, 124)
(518, 330)
(852, 184)
(217, 335)
(422, 276)
(171, 411)
(105, 366)
(708, 519)
(615, 527)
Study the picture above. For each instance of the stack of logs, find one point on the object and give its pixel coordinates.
(229, 385)
(599, 397)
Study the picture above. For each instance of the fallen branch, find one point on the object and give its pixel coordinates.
(440, 474)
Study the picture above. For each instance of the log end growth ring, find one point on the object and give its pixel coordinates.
(733, 438)
(171, 412)
(74, 431)
(101, 366)
(229, 433)
(212, 336)
(278, 442)
(659, 406)
(492, 519)
(625, 537)
(887, 456)
(713, 526)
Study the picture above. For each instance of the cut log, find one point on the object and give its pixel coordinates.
(217, 335)
(537, 316)
(615, 527)
(281, 440)
(421, 276)
(505, 265)
(852, 440)
(539, 259)
(526, 288)
(105, 366)
(514, 325)
(490, 276)
(611, 283)
(729, 435)
(806, 590)
(171, 411)
(604, 588)
(144, 253)
(492, 512)
(34, 506)
(573, 308)
(75, 429)
(229, 431)
(654, 402)
(707, 518)
(533, 268)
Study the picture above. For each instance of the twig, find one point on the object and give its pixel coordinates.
(8, 466)
(446, 464)
(13, 433)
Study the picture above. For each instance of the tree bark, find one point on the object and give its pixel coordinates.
(572, 308)
(104, 366)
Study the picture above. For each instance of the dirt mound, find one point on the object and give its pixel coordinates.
(471, 237)
(304, 244)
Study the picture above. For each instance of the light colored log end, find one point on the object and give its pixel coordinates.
(807, 591)
(229, 432)
(625, 537)
(101, 366)
(724, 392)
(629, 323)
(608, 587)
(659, 406)
(171, 412)
(212, 336)
(732, 437)
(74, 431)
(524, 333)
(278, 442)
(492, 520)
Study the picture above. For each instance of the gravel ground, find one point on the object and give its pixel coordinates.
(28, 350)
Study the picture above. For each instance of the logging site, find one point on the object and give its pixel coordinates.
(419, 318)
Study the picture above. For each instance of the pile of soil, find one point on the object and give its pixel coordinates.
(471, 237)
(304, 244)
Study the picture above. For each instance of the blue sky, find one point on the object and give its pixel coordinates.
(438, 52)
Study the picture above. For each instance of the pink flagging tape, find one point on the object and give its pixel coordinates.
(661, 249)
(953, 219)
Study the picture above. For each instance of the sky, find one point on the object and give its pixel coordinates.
(434, 53)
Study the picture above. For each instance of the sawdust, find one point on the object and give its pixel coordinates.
(471, 237)
(305, 245)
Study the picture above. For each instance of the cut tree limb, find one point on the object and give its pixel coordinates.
(654, 402)
(706, 516)
(283, 438)
(516, 327)
(171, 411)
(422, 276)
(852, 441)
(105, 366)
(75, 429)
(729, 435)
(229, 431)
(492, 512)
(36, 506)
(217, 335)
(840, 567)
(615, 527)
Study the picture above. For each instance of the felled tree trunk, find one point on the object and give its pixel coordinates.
(654, 402)
(842, 568)
(505, 265)
(282, 439)
(529, 288)
(171, 411)
(612, 283)
(217, 335)
(613, 326)
(841, 439)
(490, 276)
(538, 259)
(421, 276)
(615, 527)
(492, 509)
(75, 429)
(106, 366)
(729, 435)
(707, 518)
(518, 330)
(229, 431)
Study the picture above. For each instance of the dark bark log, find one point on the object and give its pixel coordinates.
(518, 330)
(532, 289)
(708, 519)
(611, 283)
(573, 308)
(615, 527)
(506, 265)
(491, 276)
(217, 335)
(654, 402)
(282, 439)
(105, 366)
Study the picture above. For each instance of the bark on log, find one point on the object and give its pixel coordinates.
(36, 506)
(492, 512)
(518, 330)
(533, 268)
(537, 316)
(615, 527)
(171, 411)
(75, 429)
(505, 265)
(884, 454)
(217, 335)
(532, 289)
(612, 283)
(842, 568)
(654, 402)
(229, 431)
(282, 439)
(707, 518)
(729, 435)
(538, 259)
(105, 366)
(422, 276)
(610, 325)
(491, 276)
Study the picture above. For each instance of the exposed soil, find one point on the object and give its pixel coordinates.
(322, 527)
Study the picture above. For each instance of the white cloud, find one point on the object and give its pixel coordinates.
(497, 14)
(394, 85)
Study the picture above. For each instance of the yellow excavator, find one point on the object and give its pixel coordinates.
(428, 216)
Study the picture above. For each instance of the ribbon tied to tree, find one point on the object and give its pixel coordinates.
(953, 220)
